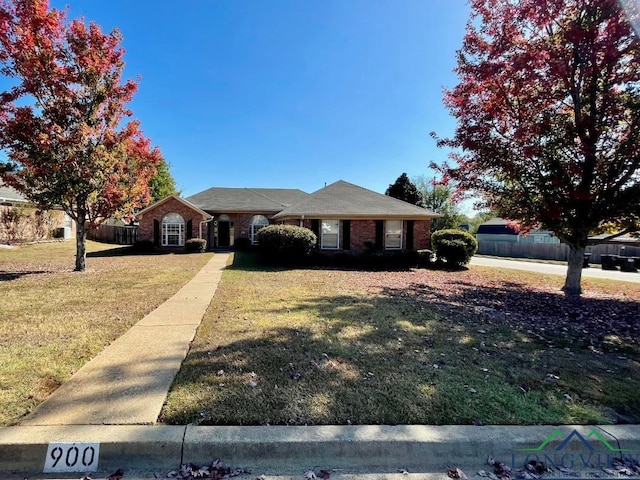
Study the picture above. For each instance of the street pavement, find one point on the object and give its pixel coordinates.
(553, 269)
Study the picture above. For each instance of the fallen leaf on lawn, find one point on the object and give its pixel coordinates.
(457, 474)
(117, 475)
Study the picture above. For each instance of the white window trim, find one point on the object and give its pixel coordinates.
(165, 233)
(255, 227)
(322, 234)
(386, 235)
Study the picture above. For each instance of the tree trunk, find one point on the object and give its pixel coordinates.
(81, 245)
(572, 283)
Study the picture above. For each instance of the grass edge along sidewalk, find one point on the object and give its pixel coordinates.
(55, 320)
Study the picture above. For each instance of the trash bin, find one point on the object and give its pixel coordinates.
(608, 262)
(628, 264)
(585, 260)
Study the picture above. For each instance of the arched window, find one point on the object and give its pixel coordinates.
(172, 230)
(255, 224)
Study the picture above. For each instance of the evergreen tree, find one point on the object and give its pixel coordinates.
(404, 189)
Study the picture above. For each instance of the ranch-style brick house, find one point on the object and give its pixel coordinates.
(344, 216)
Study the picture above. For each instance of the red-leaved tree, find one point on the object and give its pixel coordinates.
(548, 111)
(63, 125)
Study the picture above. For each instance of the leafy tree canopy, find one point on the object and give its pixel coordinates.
(162, 184)
(64, 124)
(439, 199)
(548, 111)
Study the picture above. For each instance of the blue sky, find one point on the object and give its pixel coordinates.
(289, 93)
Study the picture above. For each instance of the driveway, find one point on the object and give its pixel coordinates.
(553, 269)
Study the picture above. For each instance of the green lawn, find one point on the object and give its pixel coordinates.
(320, 346)
(53, 320)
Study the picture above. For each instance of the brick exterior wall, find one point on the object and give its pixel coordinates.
(422, 234)
(240, 223)
(363, 231)
(145, 227)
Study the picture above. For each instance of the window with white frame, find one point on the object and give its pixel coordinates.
(330, 234)
(393, 235)
(255, 224)
(173, 230)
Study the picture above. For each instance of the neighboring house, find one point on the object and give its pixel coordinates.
(498, 230)
(21, 221)
(343, 216)
(10, 197)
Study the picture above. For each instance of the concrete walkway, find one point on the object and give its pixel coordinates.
(554, 269)
(127, 383)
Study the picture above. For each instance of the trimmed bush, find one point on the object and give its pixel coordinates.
(242, 244)
(196, 245)
(143, 246)
(456, 247)
(286, 243)
(424, 258)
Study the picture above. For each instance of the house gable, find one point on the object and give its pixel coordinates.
(185, 222)
(345, 200)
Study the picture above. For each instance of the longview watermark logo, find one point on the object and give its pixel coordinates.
(593, 451)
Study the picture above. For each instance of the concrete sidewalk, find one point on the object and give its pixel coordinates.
(554, 269)
(127, 383)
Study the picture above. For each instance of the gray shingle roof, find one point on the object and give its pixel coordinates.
(345, 200)
(11, 195)
(218, 199)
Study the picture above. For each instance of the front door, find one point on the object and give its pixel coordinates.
(224, 231)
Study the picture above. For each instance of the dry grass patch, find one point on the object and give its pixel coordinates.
(313, 346)
(53, 320)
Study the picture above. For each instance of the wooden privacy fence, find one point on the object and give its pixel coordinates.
(542, 251)
(113, 234)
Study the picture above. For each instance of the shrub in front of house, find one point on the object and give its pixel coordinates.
(424, 258)
(143, 246)
(453, 246)
(196, 245)
(285, 244)
(241, 244)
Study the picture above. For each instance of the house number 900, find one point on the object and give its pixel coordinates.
(72, 457)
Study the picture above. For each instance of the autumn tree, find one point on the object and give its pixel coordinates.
(548, 112)
(64, 124)
(404, 189)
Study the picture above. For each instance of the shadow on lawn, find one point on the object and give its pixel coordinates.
(411, 355)
(253, 261)
(127, 251)
(9, 276)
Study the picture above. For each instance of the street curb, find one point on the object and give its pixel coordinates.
(278, 450)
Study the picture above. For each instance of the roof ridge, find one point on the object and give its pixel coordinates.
(263, 195)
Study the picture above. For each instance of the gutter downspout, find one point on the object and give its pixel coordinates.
(200, 226)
